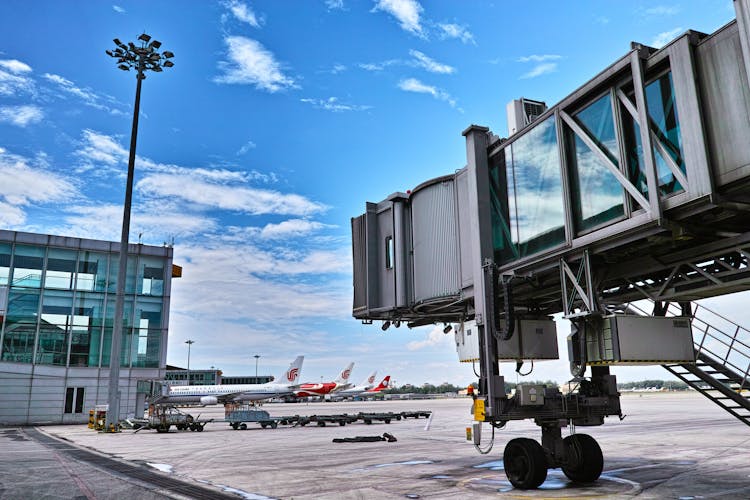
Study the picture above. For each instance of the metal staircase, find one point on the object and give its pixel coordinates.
(721, 371)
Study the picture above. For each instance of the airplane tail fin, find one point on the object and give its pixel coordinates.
(369, 382)
(291, 376)
(344, 375)
(383, 385)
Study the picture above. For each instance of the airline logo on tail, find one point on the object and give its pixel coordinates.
(345, 374)
(371, 380)
(291, 375)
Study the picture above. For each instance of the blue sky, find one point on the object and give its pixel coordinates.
(276, 124)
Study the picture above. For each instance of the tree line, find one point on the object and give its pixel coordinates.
(446, 387)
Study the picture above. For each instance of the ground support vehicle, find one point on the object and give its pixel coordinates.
(163, 417)
(369, 418)
(239, 416)
(415, 414)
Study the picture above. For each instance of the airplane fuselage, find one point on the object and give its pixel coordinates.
(229, 392)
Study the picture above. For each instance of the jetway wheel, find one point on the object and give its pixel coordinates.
(584, 458)
(525, 463)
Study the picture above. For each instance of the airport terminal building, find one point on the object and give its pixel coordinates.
(57, 302)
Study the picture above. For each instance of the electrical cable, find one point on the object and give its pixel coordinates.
(489, 448)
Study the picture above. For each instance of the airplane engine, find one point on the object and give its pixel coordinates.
(209, 400)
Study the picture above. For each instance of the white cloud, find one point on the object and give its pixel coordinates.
(21, 116)
(540, 58)
(246, 147)
(338, 68)
(89, 97)
(449, 30)
(662, 10)
(101, 149)
(333, 104)
(414, 85)
(335, 4)
(26, 182)
(156, 221)
(430, 64)
(243, 13)
(118, 9)
(540, 69)
(407, 12)
(236, 198)
(435, 338)
(291, 228)
(665, 37)
(12, 79)
(251, 64)
(379, 66)
(15, 66)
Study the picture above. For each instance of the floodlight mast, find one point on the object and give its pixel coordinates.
(142, 59)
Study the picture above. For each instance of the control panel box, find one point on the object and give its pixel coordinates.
(530, 395)
(533, 339)
(634, 340)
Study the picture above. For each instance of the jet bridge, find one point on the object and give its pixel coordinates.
(635, 186)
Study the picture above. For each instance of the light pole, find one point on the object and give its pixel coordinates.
(189, 343)
(257, 356)
(143, 58)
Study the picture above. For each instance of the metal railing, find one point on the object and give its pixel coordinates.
(721, 339)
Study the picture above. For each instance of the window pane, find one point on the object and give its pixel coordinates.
(597, 195)
(4, 263)
(61, 265)
(27, 266)
(130, 281)
(501, 202)
(538, 195)
(667, 182)
(80, 392)
(150, 276)
(92, 272)
(54, 328)
(69, 399)
(20, 325)
(86, 329)
(663, 114)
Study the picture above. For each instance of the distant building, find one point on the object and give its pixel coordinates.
(247, 379)
(57, 301)
(179, 376)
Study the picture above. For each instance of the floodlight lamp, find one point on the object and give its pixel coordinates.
(144, 37)
(386, 325)
(124, 67)
(131, 46)
(168, 54)
(117, 41)
(168, 64)
(109, 53)
(447, 328)
(155, 44)
(397, 323)
(157, 69)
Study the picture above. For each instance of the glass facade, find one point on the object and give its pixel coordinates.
(57, 307)
(526, 174)
(528, 212)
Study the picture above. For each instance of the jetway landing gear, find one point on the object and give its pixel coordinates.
(526, 461)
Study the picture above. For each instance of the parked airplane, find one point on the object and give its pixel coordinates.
(213, 394)
(363, 390)
(324, 388)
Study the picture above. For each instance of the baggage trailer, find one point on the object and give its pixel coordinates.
(163, 417)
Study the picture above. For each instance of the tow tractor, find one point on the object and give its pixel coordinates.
(163, 417)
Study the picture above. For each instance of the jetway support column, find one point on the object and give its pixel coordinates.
(491, 384)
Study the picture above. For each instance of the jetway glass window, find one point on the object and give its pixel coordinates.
(537, 215)
(598, 197)
(502, 196)
(663, 113)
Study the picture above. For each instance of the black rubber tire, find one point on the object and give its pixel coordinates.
(525, 463)
(321, 424)
(263, 424)
(235, 425)
(243, 427)
(273, 425)
(342, 423)
(368, 422)
(198, 428)
(387, 420)
(584, 458)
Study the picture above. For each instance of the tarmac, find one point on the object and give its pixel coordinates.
(670, 445)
